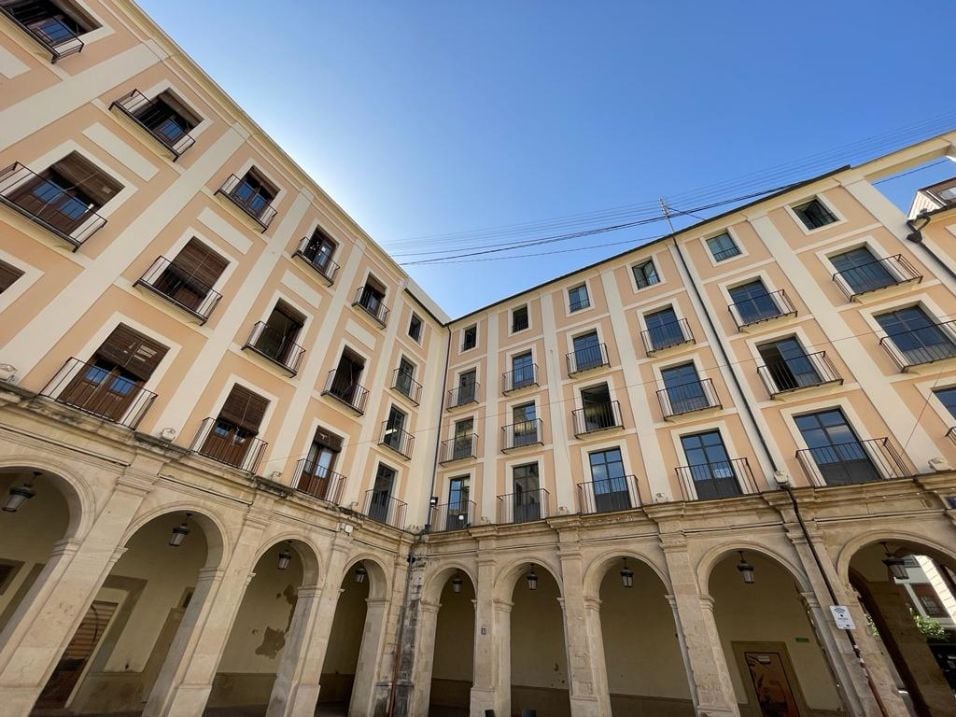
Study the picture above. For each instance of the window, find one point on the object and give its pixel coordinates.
(709, 466)
(394, 434)
(380, 498)
(723, 247)
(519, 319)
(752, 303)
(916, 337)
(578, 298)
(253, 193)
(929, 600)
(839, 456)
(371, 298)
(8, 275)
(684, 390)
(522, 371)
(525, 424)
(56, 25)
(236, 427)
(276, 337)
(664, 329)
(609, 484)
(188, 279)
(467, 387)
(814, 214)
(165, 117)
(319, 251)
(458, 491)
(947, 396)
(645, 274)
(469, 338)
(404, 379)
(588, 352)
(317, 471)
(862, 271)
(344, 381)
(527, 497)
(464, 433)
(415, 328)
(597, 411)
(788, 365)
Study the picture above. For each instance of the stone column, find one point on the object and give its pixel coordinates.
(484, 665)
(502, 649)
(425, 659)
(577, 640)
(602, 690)
(373, 638)
(282, 701)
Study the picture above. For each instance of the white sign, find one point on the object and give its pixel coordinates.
(842, 617)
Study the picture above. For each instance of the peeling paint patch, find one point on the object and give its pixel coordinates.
(272, 642)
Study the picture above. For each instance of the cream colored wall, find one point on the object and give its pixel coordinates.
(538, 656)
(455, 635)
(347, 628)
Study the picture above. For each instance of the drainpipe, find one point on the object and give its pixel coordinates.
(441, 400)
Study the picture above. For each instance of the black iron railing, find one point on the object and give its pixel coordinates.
(609, 494)
(875, 275)
(398, 439)
(727, 253)
(462, 395)
(322, 263)
(340, 387)
(275, 345)
(167, 133)
(382, 508)
(56, 38)
(523, 507)
(687, 398)
(667, 336)
(853, 462)
(371, 303)
(936, 342)
(798, 372)
(597, 417)
(587, 359)
(101, 392)
(318, 481)
(403, 382)
(255, 205)
(174, 283)
(951, 434)
(459, 448)
(765, 307)
(718, 479)
(521, 434)
(520, 378)
(452, 516)
(49, 205)
(226, 444)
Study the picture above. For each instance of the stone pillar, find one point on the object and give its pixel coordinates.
(484, 665)
(602, 691)
(366, 673)
(502, 649)
(425, 658)
(282, 701)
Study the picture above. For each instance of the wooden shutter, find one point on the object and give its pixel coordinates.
(83, 175)
(244, 408)
(132, 351)
(200, 262)
(328, 440)
(8, 275)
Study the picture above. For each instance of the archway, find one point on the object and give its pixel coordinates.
(908, 591)
(645, 667)
(454, 647)
(775, 660)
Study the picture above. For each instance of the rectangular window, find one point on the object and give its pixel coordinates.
(684, 389)
(380, 499)
(929, 600)
(522, 371)
(663, 329)
(467, 387)
(578, 298)
(394, 434)
(254, 193)
(645, 274)
(839, 455)
(814, 214)
(588, 352)
(346, 381)
(753, 303)
(8, 275)
(278, 334)
(404, 379)
(458, 497)
(527, 496)
(55, 24)
(916, 336)
(166, 118)
(319, 250)
(372, 296)
(236, 427)
(723, 247)
(608, 481)
(947, 396)
(519, 319)
(319, 465)
(188, 279)
(862, 271)
(415, 328)
(597, 410)
(709, 466)
(464, 434)
(788, 365)
(469, 338)
(525, 424)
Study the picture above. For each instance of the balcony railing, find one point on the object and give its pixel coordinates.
(587, 359)
(324, 265)
(230, 447)
(254, 205)
(523, 507)
(371, 304)
(275, 345)
(452, 516)
(727, 253)
(853, 462)
(174, 283)
(688, 398)
(58, 39)
(936, 342)
(876, 275)
(459, 448)
(100, 392)
(318, 481)
(48, 205)
(519, 379)
(343, 389)
(798, 372)
(718, 479)
(463, 395)
(667, 336)
(398, 439)
(766, 307)
(596, 418)
(173, 138)
(403, 382)
(521, 434)
(609, 494)
(951, 434)
(382, 508)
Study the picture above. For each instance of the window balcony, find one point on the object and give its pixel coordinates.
(100, 392)
(523, 507)
(688, 398)
(398, 439)
(519, 379)
(719, 479)
(56, 37)
(322, 263)
(609, 495)
(462, 396)
(230, 447)
(341, 388)
(459, 448)
(382, 508)
(371, 304)
(252, 204)
(521, 435)
(667, 336)
(596, 418)
(52, 207)
(452, 516)
(275, 346)
(951, 434)
(798, 373)
(876, 275)
(929, 344)
(174, 284)
(763, 308)
(403, 382)
(587, 359)
(853, 462)
(318, 481)
(168, 133)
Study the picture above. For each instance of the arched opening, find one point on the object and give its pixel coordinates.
(645, 667)
(539, 666)
(908, 592)
(775, 660)
(452, 667)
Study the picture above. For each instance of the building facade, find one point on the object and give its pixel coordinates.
(247, 462)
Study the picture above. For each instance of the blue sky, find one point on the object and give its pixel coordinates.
(424, 119)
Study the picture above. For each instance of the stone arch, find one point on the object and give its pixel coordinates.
(508, 575)
(706, 564)
(380, 583)
(304, 547)
(598, 567)
(437, 577)
(77, 493)
(909, 538)
(213, 526)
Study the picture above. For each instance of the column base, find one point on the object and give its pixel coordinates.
(586, 707)
(482, 698)
(18, 701)
(717, 711)
(186, 701)
(300, 703)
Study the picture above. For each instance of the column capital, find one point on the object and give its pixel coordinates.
(707, 603)
(592, 603)
(810, 600)
(429, 606)
(503, 605)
